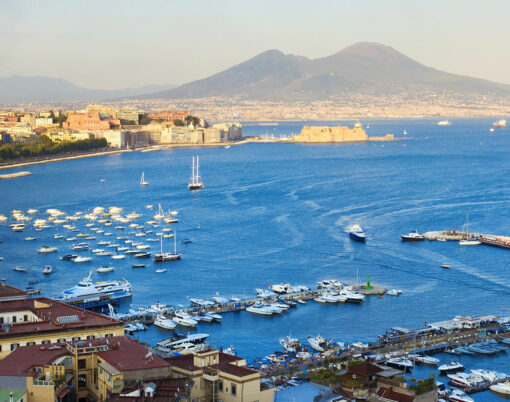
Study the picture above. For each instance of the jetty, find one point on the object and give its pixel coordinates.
(15, 175)
(453, 235)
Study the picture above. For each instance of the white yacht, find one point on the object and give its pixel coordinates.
(163, 322)
(352, 296)
(260, 309)
(281, 288)
(432, 361)
(499, 124)
(451, 367)
(47, 270)
(172, 344)
(402, 363)
(184, 320)
(263, 293)
(488, 375)
(290, 344)
(90, 294)
(165, 257)
(444, 123)
(82, 259)
(46, 250)
(459, 396)
(502, 388)
(104, 269)
(356, 233)
(468, 240)
(318, 343)
(465, 379)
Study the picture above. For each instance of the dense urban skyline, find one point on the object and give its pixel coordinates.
(128, 44)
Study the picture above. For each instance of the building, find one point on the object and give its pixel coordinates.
(69, 136)
(131, 116)
(115, 138)
(168, 115)
(28, 118)
(40, 321)
(230, 131)
(11, 293)
(316, 134)
(44, 121)
(219, 376)
(91, 120)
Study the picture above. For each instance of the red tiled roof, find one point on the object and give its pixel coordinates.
(226, 358)
(126, 354)
(10, 291)
(20, 361)
(184, 362)
(166, 389)
(365, 369)
(232, 369)
(392, 395)
(49, 315)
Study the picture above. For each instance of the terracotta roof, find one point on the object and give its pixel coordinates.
(48, 317)
(20, 361)
(10, 291)
(184, 362)
(126, 354)
(390, 394)
(365, 369)
(226, 358)
(232, 369)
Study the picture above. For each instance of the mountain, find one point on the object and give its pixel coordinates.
(20, 89)
(365, 68)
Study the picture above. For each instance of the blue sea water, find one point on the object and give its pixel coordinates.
(278, 212)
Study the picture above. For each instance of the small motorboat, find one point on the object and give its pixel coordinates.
(20, 269)
(29, 238)
(118, 257)
(413, 236)
(446, 266)
(160, 271)
(138, 266)
(46, 250)
(68, 257)
(356, 233)
(82, 259)
(185, 241)
(104, 269)
(47, 270)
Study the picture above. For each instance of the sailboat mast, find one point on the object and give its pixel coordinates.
(161, 246)
(175, 242)
(197, 170)
(193, 171)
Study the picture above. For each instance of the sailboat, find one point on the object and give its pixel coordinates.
(142, 180)
(405, 132)
(160, 214)
(467, 241)
(164, 257)
(196, 181)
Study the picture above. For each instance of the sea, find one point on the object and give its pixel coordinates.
(278, 213)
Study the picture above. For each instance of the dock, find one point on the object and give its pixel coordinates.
(484, 238)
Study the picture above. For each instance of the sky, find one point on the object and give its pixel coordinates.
(116, 44)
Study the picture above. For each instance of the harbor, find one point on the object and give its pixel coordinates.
(485, 239)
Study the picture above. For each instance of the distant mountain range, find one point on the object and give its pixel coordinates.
(365, 68)
(20, 89)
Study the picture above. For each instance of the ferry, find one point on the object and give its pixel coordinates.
(88, 294)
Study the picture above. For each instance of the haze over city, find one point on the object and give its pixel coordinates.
(119, 44)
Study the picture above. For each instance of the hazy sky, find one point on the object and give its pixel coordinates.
(114, 44)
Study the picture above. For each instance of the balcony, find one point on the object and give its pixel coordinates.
(210, 376)
(44, 383)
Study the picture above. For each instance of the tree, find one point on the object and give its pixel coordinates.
(178, 123)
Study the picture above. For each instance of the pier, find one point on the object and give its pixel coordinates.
(486, 239)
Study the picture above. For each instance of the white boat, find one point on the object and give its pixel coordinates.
(160, 214)
(491, 130)
(405, 132)
(352, 296)
(118, 257)
(3, 218)
(499, 124)
(320, 299)
(163, 322)
(104, 253)
(427, 360)
(184, 320)
(47, 270)
(19, 269)
(142, 180)
(290, 344)
(264, 294)
(444, 123)
(165, 257)
(394, 292)
(459, 396)
(402, 363)
(160, 271)
(46, 249)
(260, 309)
(501, 388)
(451, 367)
(468, 240)
(195, 180)
(104, 269)
(488, 375)
(82, 259)
(29, 238)
(356, 233)
(99, 293)
(175, 343)
(215, 316)
(18, 227)
(318, 343)
(281, 288)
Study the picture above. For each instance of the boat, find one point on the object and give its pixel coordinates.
(142, 255)
(260, 309)
(394, 292)
(68, 257)
(459, 396)
(317, 342)
(499, 124)
(446, 266)
(290, 344)
(29, 238)
(281, 288)
(138, 266)
(47, 270)
(215, 316)
(184, 320)
(18, 227)
(464, 380)
(174, 343)
(444, 123)
(488, 375)
(89, 294)
(142, 180)
(352, 296)
(160, 271)
(82, 259)
(196, 181)
(468, 240)
(227, 146)
(429, 360)
(163, 322)
(405, 132)
(356, 233)
(413, 236)
(451, 367)
(118, 257)
(301, 301)
(401, 363)
(501, 388)
(104, 269)
(320, 299)
(165, 257)
(19, 269)
(104, 253)
(46, 250)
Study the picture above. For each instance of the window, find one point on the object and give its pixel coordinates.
(13, 318)
(61, 340)
(1, 320)
(45, 342)
(76, 338)
(30, 343)
(82, 381)
(25, 318)
(82, 364)
(220, 386)
(91, 337)
(233, 389)
(108, 335)
(109, 377)
(100, 370)
(14, 346)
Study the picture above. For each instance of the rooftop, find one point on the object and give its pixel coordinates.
(21, 360)
(232, 369)
(166, 389)
(53, 316)
(7, 292)
(365, 369)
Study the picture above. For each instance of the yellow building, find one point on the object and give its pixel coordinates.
(42, 321)
(219, 376)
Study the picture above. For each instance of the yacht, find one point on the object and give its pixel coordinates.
(499, 124)
(68, 257)
(118, 257)
(46, 250)
(29, 238)
(402, 363)
(47, 270)
(143, 255)
(19, 269)
(394, 292)
(260, 309)
(290, 344)
(264, 294)
(352, 296)
(318, 343)
(104, 269)
(432, 361)
(184, 319)
(142, 180)
(464, 379)
(82, 259)
(164, 257)
(160, 214)
(90, 294)
(160, 271)
(281, 288)
(446, 266)
(172, 344)
(444, 123)
(357, 234)
(489, 375)
(162, 322)
(459, 396)
(502, 388)
(413, 236)
(195, 180)
(451, 367)
(468, 240)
